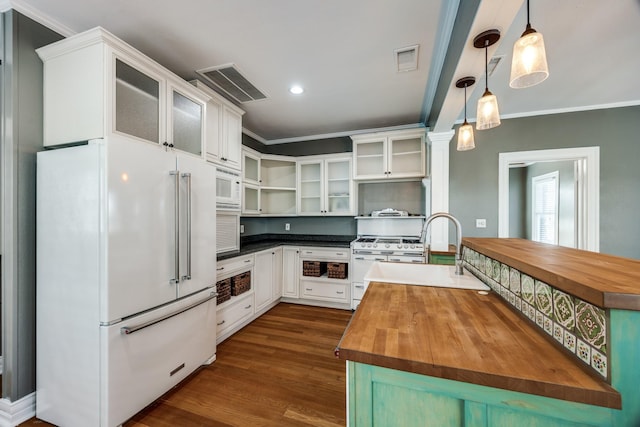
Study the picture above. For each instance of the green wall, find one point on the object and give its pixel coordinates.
(474, 174)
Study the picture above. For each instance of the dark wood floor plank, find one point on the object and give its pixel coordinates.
(278, 371)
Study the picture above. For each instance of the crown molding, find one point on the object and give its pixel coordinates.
(332, 135)
(35, 14)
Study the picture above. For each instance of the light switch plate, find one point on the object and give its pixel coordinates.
(287, 227)
(241, 228)
(481, 223)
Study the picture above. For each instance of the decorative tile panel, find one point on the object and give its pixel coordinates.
(528, 289)
(558, 333)
(584, 352)
(563, 309)
(599, 362)
(544, 299)
(580, 327)
(514, 281)
(570, 341)
(590, 325)
(504, 275)
(495, 268)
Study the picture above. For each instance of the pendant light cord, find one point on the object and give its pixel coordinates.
(486, 66)
(465, 103)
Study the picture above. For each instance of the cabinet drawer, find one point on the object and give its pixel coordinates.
(230, 316)
(324, 291)
(228, 266)
(330, 254)
(359, 290)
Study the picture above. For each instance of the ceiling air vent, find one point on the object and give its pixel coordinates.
(228, 79)
(407, 58)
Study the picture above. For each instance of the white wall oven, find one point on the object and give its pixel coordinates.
(228, 190)
(390, 239)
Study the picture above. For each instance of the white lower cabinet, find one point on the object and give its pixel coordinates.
(325, 290)
(234, 314)
(277, 273)
(276, 288)
(290, 272)
(268, 277)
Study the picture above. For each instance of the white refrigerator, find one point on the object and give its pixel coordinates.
(126, 272)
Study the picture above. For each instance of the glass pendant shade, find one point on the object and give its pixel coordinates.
(465, 137)
(529, 63)
(488, 115)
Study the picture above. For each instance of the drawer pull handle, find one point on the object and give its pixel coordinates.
(308, 289)
(360, 286)
(221, 323)
(247, 260)
(248, 307)
(339, 253)
(339, 292)
(359, 257)
(220, 269)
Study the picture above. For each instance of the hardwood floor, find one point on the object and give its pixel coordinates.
(278, 371)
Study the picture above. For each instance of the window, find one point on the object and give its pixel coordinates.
(545, 208)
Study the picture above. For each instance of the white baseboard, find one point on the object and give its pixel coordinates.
(14, 413)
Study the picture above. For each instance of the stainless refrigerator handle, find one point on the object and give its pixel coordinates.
(188, 176)
(176, 278)
(128, 330)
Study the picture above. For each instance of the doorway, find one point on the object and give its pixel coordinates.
(585, 162)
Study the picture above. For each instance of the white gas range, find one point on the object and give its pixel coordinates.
(388, 237)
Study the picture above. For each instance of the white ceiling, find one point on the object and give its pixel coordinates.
(342, 52)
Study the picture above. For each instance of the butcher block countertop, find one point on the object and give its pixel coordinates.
(604, 280)
(461, 335)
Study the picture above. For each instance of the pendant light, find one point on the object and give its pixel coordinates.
(529, 62)
(465, 132)
(488, 115)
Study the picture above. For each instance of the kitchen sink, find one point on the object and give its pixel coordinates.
(442, 276)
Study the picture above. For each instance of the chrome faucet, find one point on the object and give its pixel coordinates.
(459, 269)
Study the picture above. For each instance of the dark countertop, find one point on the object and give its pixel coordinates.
(259, 242)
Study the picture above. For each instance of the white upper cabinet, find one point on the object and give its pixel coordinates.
(389, 155)
(96, 85)
(325, 186)
(269, 184)
(223, 130)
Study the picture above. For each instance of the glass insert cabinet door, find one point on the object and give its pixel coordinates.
(137, 103)
(406, 156)
(186, 124)
(310, 188)
(371, 159)
(338, 186)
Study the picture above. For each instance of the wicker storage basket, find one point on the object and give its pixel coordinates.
(313, 268)
(337, 270)
(223, 288)
(241, 283)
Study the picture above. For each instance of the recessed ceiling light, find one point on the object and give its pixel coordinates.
(296, 90)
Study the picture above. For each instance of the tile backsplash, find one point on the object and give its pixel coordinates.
(577, 325)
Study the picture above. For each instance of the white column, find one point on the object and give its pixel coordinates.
(439, 228)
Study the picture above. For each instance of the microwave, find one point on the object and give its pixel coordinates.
(228, 190)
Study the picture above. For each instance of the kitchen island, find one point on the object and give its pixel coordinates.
(434, 356)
